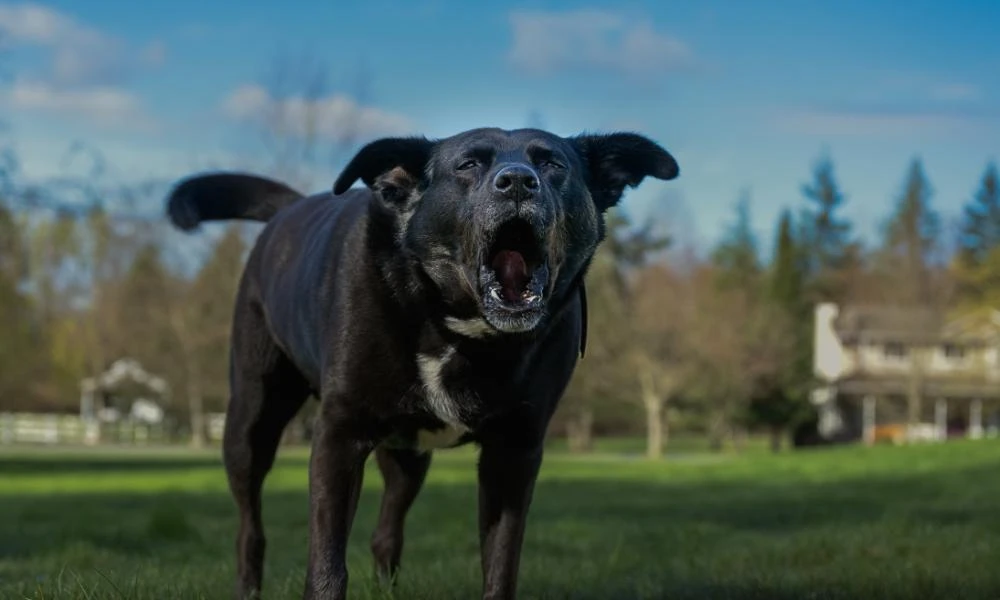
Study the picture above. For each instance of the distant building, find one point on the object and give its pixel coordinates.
(120, 394)
(905, 374)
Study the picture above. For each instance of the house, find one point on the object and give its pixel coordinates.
(906, 374)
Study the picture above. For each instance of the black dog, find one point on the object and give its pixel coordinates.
(442, 305)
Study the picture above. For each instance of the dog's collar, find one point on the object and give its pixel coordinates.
(583, 318)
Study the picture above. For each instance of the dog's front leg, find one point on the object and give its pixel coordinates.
(506, 483)
(336, 471)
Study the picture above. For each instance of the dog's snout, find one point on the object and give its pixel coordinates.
(516, 181)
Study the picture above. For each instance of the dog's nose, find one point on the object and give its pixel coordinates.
(516, 181)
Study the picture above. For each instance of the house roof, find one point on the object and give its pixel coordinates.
(120, 371)
(906, 325)
(876, 323)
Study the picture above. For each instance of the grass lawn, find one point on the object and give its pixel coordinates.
(919, 522)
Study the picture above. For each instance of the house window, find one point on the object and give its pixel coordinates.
(894, 350)
(954, 352)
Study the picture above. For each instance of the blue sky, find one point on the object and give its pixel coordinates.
(747, 95)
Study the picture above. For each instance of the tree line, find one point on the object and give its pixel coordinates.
(715, 344)
(82, 288)
(722, 344)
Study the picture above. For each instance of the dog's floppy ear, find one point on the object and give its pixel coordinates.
(616, 160)
(392, 167)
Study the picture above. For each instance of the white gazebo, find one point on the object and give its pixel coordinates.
(94, 409)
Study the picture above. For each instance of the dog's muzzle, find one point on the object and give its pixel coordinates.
(514, 274)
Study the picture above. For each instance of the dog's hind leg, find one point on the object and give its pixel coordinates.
(403, 472)
(267, 391)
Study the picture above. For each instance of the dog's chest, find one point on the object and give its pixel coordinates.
(452, 404)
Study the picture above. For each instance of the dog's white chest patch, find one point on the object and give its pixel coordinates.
(441, 403)
(474, 328)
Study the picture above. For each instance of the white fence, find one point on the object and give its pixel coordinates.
(41, 429)
(54, 429)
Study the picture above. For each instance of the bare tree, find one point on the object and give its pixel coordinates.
(659, 304)
(603, 376)
(201, 318)
(289, 127)
(304, 125)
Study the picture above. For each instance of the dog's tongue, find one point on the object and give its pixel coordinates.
(512, 273)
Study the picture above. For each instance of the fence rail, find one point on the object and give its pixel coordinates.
(49, 429)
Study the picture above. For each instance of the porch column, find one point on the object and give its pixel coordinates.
(976, 419)
(868, 420)
(941, 418)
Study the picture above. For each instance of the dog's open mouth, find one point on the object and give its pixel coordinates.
(514, 273)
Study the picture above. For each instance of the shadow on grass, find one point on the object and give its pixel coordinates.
(68, 464)
(904, 536)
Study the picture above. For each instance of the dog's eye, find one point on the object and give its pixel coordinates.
(467, 164)
(552, 164)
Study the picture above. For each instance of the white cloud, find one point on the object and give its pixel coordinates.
(920, 86)
(860, 123)
(898, 104)
(154, 54)
(80, 55)
(337, 117)
(33, 23)
(84, 71)
(46, 151)
(955, 92)
(246, 102)
(105, 106)
(593, 39)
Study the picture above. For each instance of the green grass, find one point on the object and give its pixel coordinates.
(919, 522)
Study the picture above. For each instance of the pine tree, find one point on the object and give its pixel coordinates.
(144, 301)
(631, 247)
(21, 349)
(977, 264)
(12, 251)
(210, 311)
(734, 364)
(828, 248)
(202, 323)
(736, 256)
(781, 399)
(910, 240)
(980, 231)
(787, 277)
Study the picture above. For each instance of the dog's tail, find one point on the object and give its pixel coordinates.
(222, 196)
